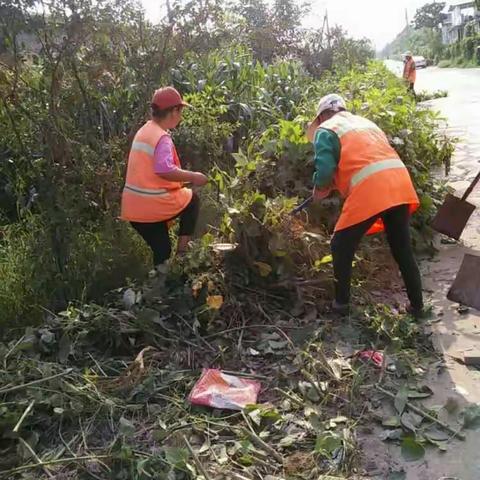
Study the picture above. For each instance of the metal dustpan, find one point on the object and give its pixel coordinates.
(466, 287)
(454, 213)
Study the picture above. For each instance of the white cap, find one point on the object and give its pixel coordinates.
(332, 102)
(408, 53)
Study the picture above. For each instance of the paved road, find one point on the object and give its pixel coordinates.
(455, 333)
(461, 107)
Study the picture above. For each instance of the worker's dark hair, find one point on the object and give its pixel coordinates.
(160, 114)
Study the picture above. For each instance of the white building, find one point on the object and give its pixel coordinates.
(456, 16)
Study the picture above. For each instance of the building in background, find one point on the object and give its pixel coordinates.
(459, 19)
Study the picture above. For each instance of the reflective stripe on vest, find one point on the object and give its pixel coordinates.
(143, 147)
(376, 167)
(354, 124)
(342, 130)
(161, 192)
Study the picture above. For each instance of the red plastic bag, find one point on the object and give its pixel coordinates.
(219, 390)
(373, 355)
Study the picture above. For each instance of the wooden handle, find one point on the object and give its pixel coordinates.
(468, 191)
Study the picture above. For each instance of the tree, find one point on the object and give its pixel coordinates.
(429, 16)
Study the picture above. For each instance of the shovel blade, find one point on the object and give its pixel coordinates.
(466, 287)
(452, 216)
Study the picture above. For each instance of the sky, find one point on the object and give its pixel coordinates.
(378, 20)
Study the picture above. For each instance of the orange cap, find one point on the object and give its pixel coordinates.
(167, 97)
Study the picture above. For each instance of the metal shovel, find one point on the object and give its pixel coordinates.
(454, 213)
(466, 287)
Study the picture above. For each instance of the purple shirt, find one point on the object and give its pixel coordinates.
(163, 160)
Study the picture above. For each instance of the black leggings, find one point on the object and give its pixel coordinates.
(156, 234)
(411, 89)
(345, 242)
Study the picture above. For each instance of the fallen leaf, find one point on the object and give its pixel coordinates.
(176, 457)
(412, 450)
(423, 391)
(215, 302)
(401, 399)
(327, 443)
(336, 366)
(221, 455)
(437, 438)
(392, 434)
(264, 268)
(126, 427)
(324, 260)
(437, 435)
(411, 421)
(288, 441)
(391, 422)
(277, 345)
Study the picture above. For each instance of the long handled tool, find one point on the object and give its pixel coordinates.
(453, 215)
(302, 206)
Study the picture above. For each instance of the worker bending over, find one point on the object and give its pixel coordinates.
(410, 72)
(154, 192)
(353, 156)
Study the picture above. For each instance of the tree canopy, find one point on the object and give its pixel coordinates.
(429, 16)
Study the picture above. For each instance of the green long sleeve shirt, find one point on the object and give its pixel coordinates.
(327, 155)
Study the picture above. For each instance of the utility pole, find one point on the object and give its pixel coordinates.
(326, 26)
(169, 12)
(406, 18)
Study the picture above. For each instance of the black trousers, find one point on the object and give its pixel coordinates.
(156, 234)
(345, 243)
(411, 89)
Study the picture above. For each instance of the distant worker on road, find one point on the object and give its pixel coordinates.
(155, 192)
(410, 72)
(354, 157)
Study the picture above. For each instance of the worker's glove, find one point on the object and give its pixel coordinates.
(320, 194)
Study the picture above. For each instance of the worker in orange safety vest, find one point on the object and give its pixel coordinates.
(154, 193)
(354, 157)
(410, 72)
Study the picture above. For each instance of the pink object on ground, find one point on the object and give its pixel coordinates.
(218, 390)
(374, 356)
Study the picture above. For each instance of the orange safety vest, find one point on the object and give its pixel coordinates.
(146, 196)
(410, 71)
(370, 175)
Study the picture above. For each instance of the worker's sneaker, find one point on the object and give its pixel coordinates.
(342, 309)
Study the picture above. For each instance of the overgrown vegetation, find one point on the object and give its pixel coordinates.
(98, 390)
(465, 53)
(75, 86)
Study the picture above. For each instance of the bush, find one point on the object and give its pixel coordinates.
(444, 63)
(463, 53)
(63, 158)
